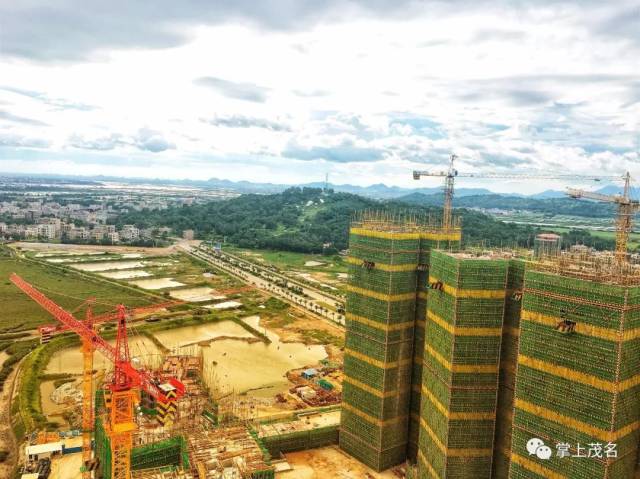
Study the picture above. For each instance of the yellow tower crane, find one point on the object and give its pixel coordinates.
(452, 173)
(627, 208)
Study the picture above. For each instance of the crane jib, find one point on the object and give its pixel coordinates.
(139, 378)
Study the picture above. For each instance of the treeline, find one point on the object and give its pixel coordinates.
(547, 206)
(312, 221)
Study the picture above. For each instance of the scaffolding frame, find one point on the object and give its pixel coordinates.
(388, 268)
(465, 310)
(577, 379)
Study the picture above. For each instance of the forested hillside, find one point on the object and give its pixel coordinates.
(305, 219)
(547, 206)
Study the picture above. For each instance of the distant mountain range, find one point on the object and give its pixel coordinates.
(377, 191)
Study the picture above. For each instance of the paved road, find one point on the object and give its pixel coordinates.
(333, 297)
(313, 297)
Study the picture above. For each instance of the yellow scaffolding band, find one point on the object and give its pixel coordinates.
(582, 328)
(462, 368)
(452, 236)
(390, 268)
(371, 419)
(369, 389)
(463, 331)
(511, 331)
(420, 323)
(381, 296)
(378, 325)
(429, 467)
(608, 436)
(423, 295)
(383, 234)
(375, 362)
(470, 293)
(535, 467)
(588, 379)
(434, 438)
(451, 452)
(457, 416)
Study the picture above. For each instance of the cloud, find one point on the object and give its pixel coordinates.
(144, 139)
(14, 140)
(237, 90)
(345, 152)
(103, 143)
(504, 160)
(311, 93)
(73, 30)
(497, 35)
(56, 103)
(241, 121)
(633, 94)
(483, 93)
(7, 116)
(420, 125)
(152, 141)
(624, 23)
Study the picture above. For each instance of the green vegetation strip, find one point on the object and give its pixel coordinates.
(30, 407)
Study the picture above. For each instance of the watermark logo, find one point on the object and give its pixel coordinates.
(537, 447)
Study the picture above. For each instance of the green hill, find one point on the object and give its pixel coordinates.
(304, 219)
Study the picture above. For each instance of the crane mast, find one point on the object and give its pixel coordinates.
(627, 208)
(87, 396)
(447, 214)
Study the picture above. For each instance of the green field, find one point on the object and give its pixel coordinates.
(286, 260)
(65, 287)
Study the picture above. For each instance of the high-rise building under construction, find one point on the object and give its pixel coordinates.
(388, 268)
(466, 307)
(578, 381)
(511, 351)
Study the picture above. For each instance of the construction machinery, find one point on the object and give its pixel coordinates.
(48, 331)
(627, 208)
(452, 173)
(126, 381)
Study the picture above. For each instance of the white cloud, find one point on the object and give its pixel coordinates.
(366, 92)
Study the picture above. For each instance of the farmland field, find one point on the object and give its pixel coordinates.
(66, 288)
(287, 260)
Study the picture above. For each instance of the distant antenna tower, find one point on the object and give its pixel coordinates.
(326, 182)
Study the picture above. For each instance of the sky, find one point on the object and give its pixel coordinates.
(286, 91)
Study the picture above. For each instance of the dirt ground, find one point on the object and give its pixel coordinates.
(42, 247)
(7, 440)
(294, 333)
(66, 467)
(330, 462)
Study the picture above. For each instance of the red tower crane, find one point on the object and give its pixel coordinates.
(126, 381)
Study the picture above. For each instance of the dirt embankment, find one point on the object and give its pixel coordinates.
(7, 439)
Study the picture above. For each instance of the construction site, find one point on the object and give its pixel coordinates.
(458, 362)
